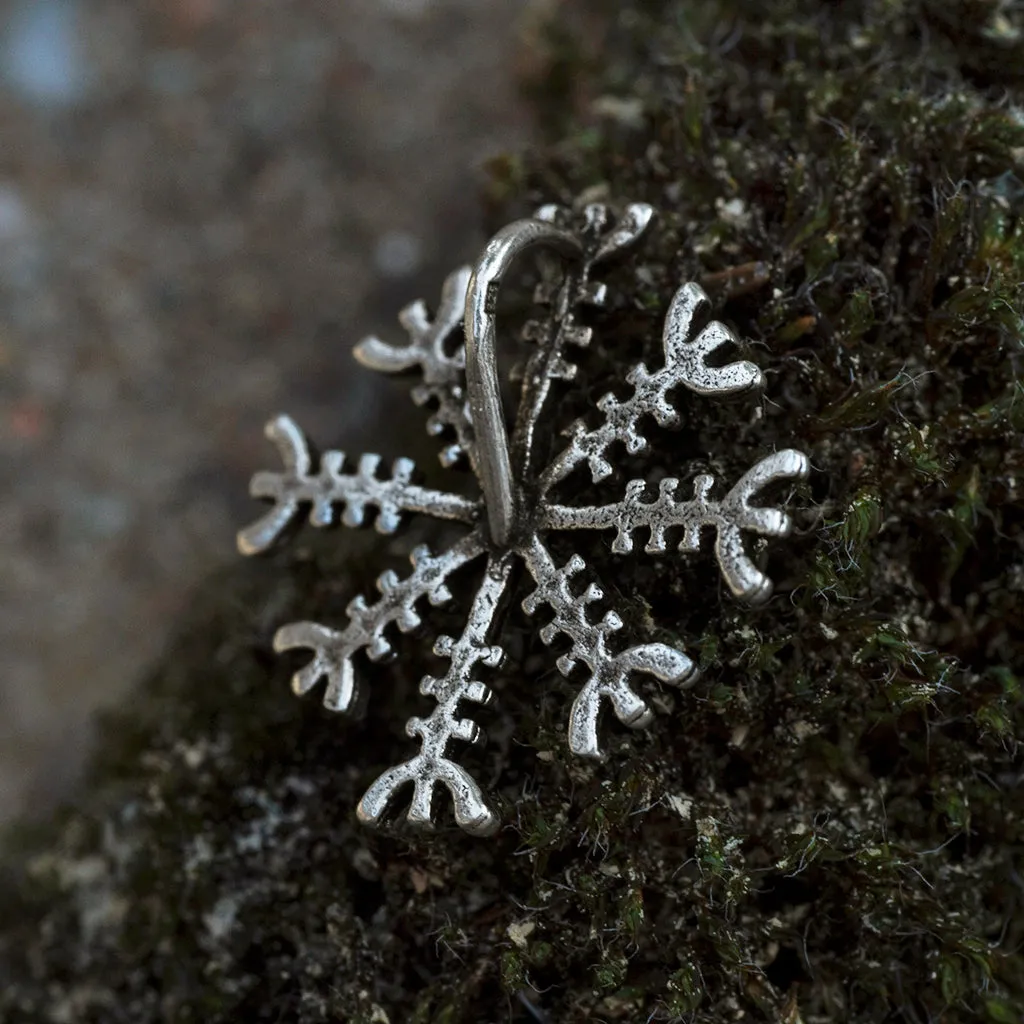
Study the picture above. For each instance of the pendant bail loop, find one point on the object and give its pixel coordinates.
(482, 381)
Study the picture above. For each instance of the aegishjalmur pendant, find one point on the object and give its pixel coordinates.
(516, 510)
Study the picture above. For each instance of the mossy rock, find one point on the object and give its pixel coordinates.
(828, 827)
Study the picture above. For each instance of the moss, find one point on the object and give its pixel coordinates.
(829, 825)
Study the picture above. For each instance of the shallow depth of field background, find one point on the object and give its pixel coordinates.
(203, 205)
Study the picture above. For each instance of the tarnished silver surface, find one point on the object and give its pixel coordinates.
(494, 461)
(431, 765)
(460, 380)
(609, 674)
(335, 487)
(730, 517)
(444, 376)
(333, 651)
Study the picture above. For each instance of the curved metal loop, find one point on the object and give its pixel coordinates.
(482, 381)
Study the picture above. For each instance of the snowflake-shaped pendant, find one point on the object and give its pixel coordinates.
(515, 512)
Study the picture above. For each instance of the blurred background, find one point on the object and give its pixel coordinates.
(203, 205)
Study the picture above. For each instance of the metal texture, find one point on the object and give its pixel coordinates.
(495, 465)
(509, 522)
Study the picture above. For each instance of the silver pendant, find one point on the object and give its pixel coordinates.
(516, 511)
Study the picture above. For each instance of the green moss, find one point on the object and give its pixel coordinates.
(828, 826)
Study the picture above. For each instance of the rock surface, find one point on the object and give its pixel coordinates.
(203, 206)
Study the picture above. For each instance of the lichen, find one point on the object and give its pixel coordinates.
(829, 825)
